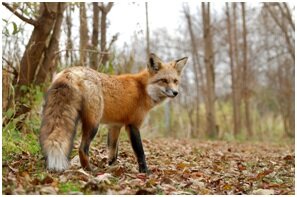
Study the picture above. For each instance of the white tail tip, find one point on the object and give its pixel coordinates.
(56, 160)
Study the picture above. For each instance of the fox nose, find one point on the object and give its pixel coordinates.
(175, 93)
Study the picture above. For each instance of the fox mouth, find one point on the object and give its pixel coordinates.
(167, 95)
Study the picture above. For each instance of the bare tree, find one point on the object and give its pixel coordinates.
(235, 99)
(285, 96)
(69, 45)
(196, 63)
(273, 10)
(49, 63)
(237, 70)
(95, 35)
(147, 31)
(210, 74)
(83, 34)
(245, 74)
(282, 77)
(35, 49)
(104, 11)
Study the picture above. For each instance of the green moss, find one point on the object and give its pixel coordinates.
(69, 186)
(14, 141)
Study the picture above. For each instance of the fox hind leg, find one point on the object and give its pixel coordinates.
(88, 134)
(91, 113)
(90, 122)
(112, 143)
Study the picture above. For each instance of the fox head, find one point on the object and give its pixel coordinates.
(164, 77)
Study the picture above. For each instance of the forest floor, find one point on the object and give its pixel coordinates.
(178, 167)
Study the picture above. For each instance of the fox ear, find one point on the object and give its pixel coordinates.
(180, 64)
(154, 63)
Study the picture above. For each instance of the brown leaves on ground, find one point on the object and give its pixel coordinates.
(178, 167)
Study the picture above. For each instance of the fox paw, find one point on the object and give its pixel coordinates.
(145, 170)
(87, 167)
(112, 161)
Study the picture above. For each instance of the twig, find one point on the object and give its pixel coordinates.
(87, 50)
(15, 72)
(114, 38)
(20, 16)
(9, 71)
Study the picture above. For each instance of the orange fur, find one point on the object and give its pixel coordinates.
(125, 99)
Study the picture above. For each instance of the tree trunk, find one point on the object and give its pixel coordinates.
(103, 38)
(34, 52)
(6, 81)
(95, 34)
(37, 44)
(83, 34)
(233, 77)
(245, 78)
(237, 71)
(147, 32)
(196, 63)
(69, 44)
(49, 64)
(210, 76)
(104, 12)
(167, 119)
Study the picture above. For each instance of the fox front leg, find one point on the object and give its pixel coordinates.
(136, 143)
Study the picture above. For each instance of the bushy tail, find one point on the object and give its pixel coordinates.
(58, 128)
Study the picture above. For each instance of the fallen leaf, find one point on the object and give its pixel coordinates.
(264, 173)
(263, 192)
(288, 157)
(48, 190)
(75, 161)
(47, 180)
(141, 176)
(166, 180)
(198, 183)
(181, 165)
(103, 178)
(144, 192)
(227, 187)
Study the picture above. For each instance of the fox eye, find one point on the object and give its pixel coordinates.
(164, 80)
(175, 80)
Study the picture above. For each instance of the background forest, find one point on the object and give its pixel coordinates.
(238, 86)
(239, 82)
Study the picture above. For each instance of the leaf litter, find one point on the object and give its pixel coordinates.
(178, 167)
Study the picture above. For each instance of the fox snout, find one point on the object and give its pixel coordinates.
(171, 92)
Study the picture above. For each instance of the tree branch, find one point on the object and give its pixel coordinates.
(86, 50)
(114, 38)
(14, 72)
(20, 16)
(105, 9)
(100, 6)
(109, 6)
(283, 29)
(289, 16)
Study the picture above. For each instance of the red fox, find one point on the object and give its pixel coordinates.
(81, 93)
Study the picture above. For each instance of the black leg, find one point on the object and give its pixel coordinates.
(135, 139)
